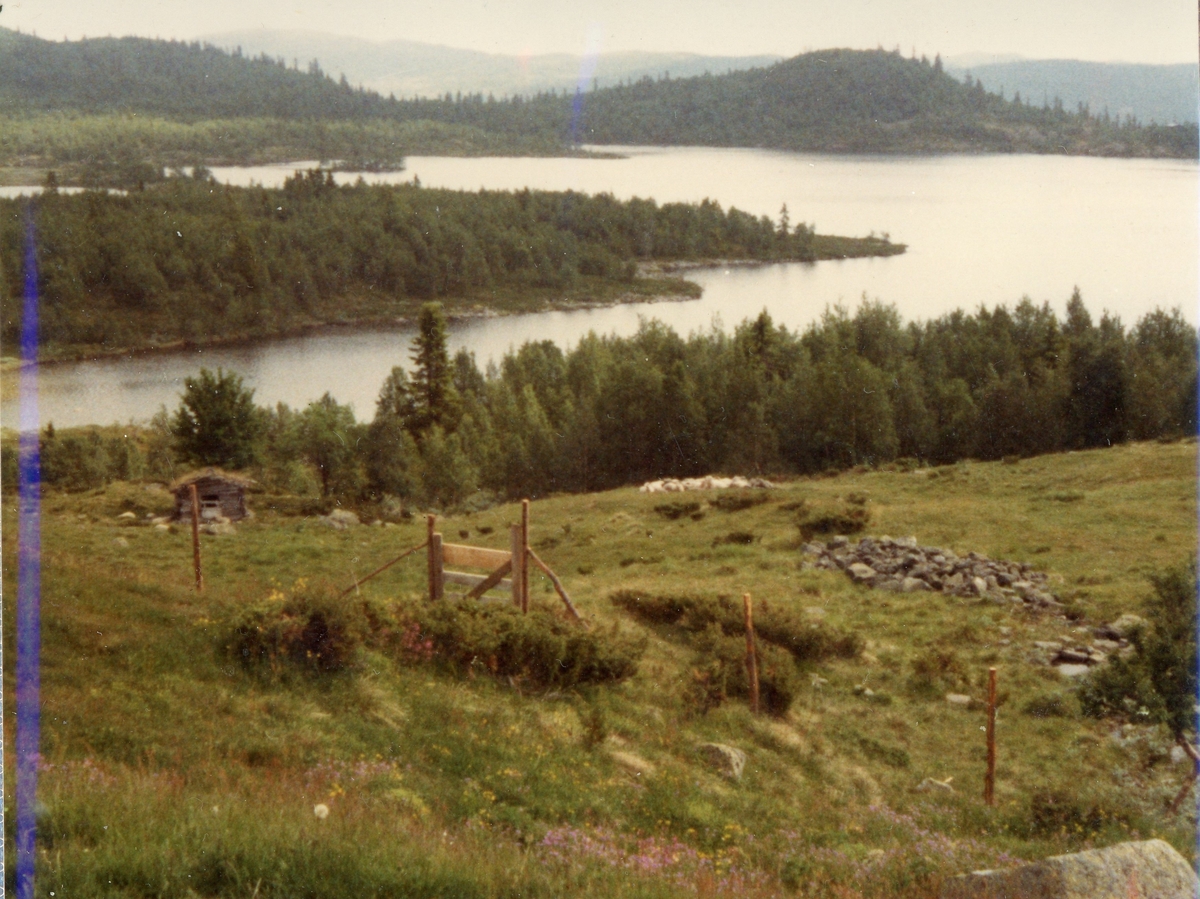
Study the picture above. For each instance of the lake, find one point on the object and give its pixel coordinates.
(980, 230)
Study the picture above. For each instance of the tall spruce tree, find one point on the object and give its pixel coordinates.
(435, 399)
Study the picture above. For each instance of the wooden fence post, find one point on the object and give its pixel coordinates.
(989, 780)
(434, 542)
(518, 566)
(524, 555)
(196, 537)
(751, 655)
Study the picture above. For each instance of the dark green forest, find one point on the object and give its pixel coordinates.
(191, 260)
(827, 101)
(850, 390)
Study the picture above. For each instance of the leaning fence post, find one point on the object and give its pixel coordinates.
(989, 780)
(751, 656)
(196, 536)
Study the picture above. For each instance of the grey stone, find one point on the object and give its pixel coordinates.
(339, 519)
(912, 585)
(958, 699)
(979, 586)
(838, 542)
(728, 760)
(1125, 626)
(127, 516)
(1072, 670)
(860, 573)
(1074, 656)
(1151, 869)
(218, 528)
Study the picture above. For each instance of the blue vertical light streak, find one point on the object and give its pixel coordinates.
(587, 70)
(29, 575)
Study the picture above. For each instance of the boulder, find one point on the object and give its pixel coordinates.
(1151, 868)
(1125, 626)
(860, 573)
(728, 760)
(1072, 670)
(340, 519)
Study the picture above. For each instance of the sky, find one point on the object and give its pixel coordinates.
(1142, 31)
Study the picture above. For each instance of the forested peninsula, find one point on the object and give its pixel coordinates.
(117, 111)
(192, 261)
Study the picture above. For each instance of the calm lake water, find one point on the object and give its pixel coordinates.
(980, 230)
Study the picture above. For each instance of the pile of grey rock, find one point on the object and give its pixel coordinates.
(1073, 658)
(900, 565)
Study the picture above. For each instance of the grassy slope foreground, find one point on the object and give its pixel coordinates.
(171, 770)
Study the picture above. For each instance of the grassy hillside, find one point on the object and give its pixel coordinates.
(169, 768)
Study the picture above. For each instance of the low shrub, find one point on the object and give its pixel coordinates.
(805, 640)
(895, 756)
(935, 670)
(736, 538)
(1159, 683)
(737, 501)
(653, 609)
(1052, 811)
(538, 648)
(814, 523)
(677, 509)
(1048, 705)
(314, 629)
(719, 673)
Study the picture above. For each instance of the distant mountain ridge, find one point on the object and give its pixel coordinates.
(1150, 93)
(835, 101)
(414, 69)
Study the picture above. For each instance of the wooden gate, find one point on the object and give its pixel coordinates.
(508, 569)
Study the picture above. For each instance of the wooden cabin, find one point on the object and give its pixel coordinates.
(221, 494)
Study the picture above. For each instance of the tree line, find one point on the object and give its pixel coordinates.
(849, 390)
(192, 260)
(123, 150)
(825, 101)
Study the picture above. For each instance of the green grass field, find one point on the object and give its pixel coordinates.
(171, 770)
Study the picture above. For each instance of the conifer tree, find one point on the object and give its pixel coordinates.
(435, 399)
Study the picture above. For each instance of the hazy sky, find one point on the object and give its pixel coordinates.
(1153, 31)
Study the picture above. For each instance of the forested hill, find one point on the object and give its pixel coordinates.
(828, 101)
(169, 78)
(858, 101)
